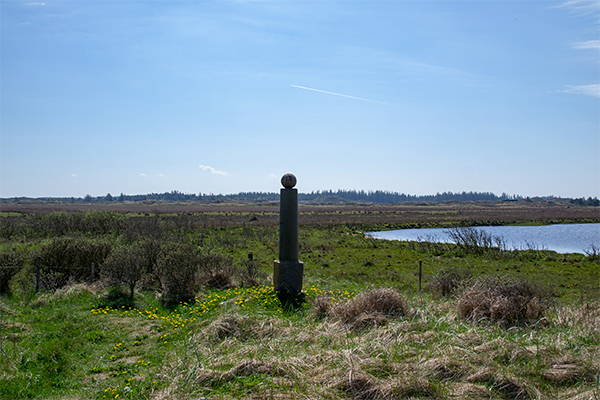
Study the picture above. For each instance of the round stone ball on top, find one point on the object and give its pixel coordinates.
(288, 181)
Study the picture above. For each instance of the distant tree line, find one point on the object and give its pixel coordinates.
(325, 196)
(381, 196)
(586, 202)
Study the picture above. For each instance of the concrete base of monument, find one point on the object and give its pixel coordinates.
(287, 281)
(291, 300)
(287, 276)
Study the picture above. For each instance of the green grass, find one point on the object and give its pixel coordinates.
(240, 343)
(61, 344)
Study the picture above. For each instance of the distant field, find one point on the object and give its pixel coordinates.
(360, 216)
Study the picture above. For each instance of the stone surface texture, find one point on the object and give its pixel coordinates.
(288, 276)
(288, 271)
(288, 181)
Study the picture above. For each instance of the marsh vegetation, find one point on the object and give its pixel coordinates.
(178, 309)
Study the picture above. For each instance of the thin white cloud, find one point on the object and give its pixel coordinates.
(338, 94)
(582, 7)
(143, 175)
(74, 176)
(212, 170)
(272, 175)
(590, 90)
(35, 4)
(590, 44)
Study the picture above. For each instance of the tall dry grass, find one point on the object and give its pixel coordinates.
(503, 300)
(424, 350)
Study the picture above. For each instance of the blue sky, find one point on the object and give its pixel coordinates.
(416, 97)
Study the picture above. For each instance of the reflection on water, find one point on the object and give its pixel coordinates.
(564, 238)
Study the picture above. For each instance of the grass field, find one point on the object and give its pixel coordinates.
(361, 216)
(366, 331)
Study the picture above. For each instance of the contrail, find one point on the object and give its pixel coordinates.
(339, 94)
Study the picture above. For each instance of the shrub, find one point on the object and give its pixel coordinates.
(151, 249)
(68, 258)
(48, 225)
(177, 267)
(446, 281)
(372, 307)
(475, 241)
(250, 275)
(508, 301)
(139, 228)
(9, 227)
(61, 223)
(593, 253)
(98, 221)
(125, 265)
(216, 271)
(9, 258)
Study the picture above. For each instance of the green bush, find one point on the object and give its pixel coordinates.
(177, 266)
(216, 271)
(9, 227)
(250, 274)
(125, 265)
(9, 258)
(68, 258)
(61, 223)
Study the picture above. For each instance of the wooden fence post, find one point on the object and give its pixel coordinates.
(37, 274)
(420, 275)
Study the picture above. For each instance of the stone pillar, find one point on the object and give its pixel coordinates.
(288, 271)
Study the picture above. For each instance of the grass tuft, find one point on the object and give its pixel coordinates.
(229, 326)
(448, 281)
(371, 308)
(503, 300)
(359, 385)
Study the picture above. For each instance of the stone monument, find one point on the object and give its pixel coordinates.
(288, 271)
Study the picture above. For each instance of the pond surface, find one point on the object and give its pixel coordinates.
(563, 238)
